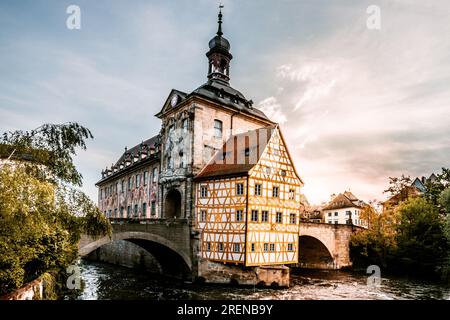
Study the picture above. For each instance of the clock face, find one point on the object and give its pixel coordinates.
(174, 100)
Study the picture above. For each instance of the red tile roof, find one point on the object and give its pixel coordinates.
(239, 154)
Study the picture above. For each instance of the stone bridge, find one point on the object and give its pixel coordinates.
(168, 241)
(172, 244)
(325, 246)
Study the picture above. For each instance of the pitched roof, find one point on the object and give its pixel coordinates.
(130, 154)
(134, 151)
(220, 92)
(344, 200)
(239, 154)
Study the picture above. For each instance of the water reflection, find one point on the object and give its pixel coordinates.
(109, 282)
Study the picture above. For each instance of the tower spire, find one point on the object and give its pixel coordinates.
(219, 30)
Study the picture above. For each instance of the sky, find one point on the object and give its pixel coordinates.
(355, 104)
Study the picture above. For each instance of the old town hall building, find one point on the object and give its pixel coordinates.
(219, 163)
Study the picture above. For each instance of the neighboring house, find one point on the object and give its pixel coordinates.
(345, 208)
(417, 188)
(312, 213)
(246, 211)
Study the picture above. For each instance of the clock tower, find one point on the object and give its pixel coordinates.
(219, 55)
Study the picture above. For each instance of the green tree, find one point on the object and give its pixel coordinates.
(421, 243)
(444, 201)
(42, 213)
(396, 185)
(436, 187)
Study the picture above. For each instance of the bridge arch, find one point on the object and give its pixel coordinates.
(173, 261)
(320, 241)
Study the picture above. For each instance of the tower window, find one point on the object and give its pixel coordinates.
(217, 128)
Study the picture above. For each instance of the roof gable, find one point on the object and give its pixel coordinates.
(239, 154)
(168, 103)
(276, 156)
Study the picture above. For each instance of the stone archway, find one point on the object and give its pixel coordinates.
(313, 254)
(172, 204)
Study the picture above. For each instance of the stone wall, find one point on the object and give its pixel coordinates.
(219, 273)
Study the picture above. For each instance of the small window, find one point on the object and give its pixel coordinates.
(153, 208)
(279, 217)
(202, 215)
(136, 207)
(292, 218)
(220, 246)
(185, 125)
(247, 152)
(266, 247)
(275, 192)
(255, 215)
(336, 222)
(115, 212)
(217, 128)
(329, 214)
(291, 194)
(145, 178)
(154, 175)
(129, 212)
(130, 182)
(253, 247)
(347, 213)
(203, 191)
(237, 247)
(290, 247)
(268, 170)
(272, 247)
(138, 180)
(208, 246)
(283, 173)
(239, 215)
(257, 189)
(264, 216)
(122, 186)
(144, 210)
(121, 212)
(239, 189)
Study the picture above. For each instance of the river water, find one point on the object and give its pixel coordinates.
(101, 281)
